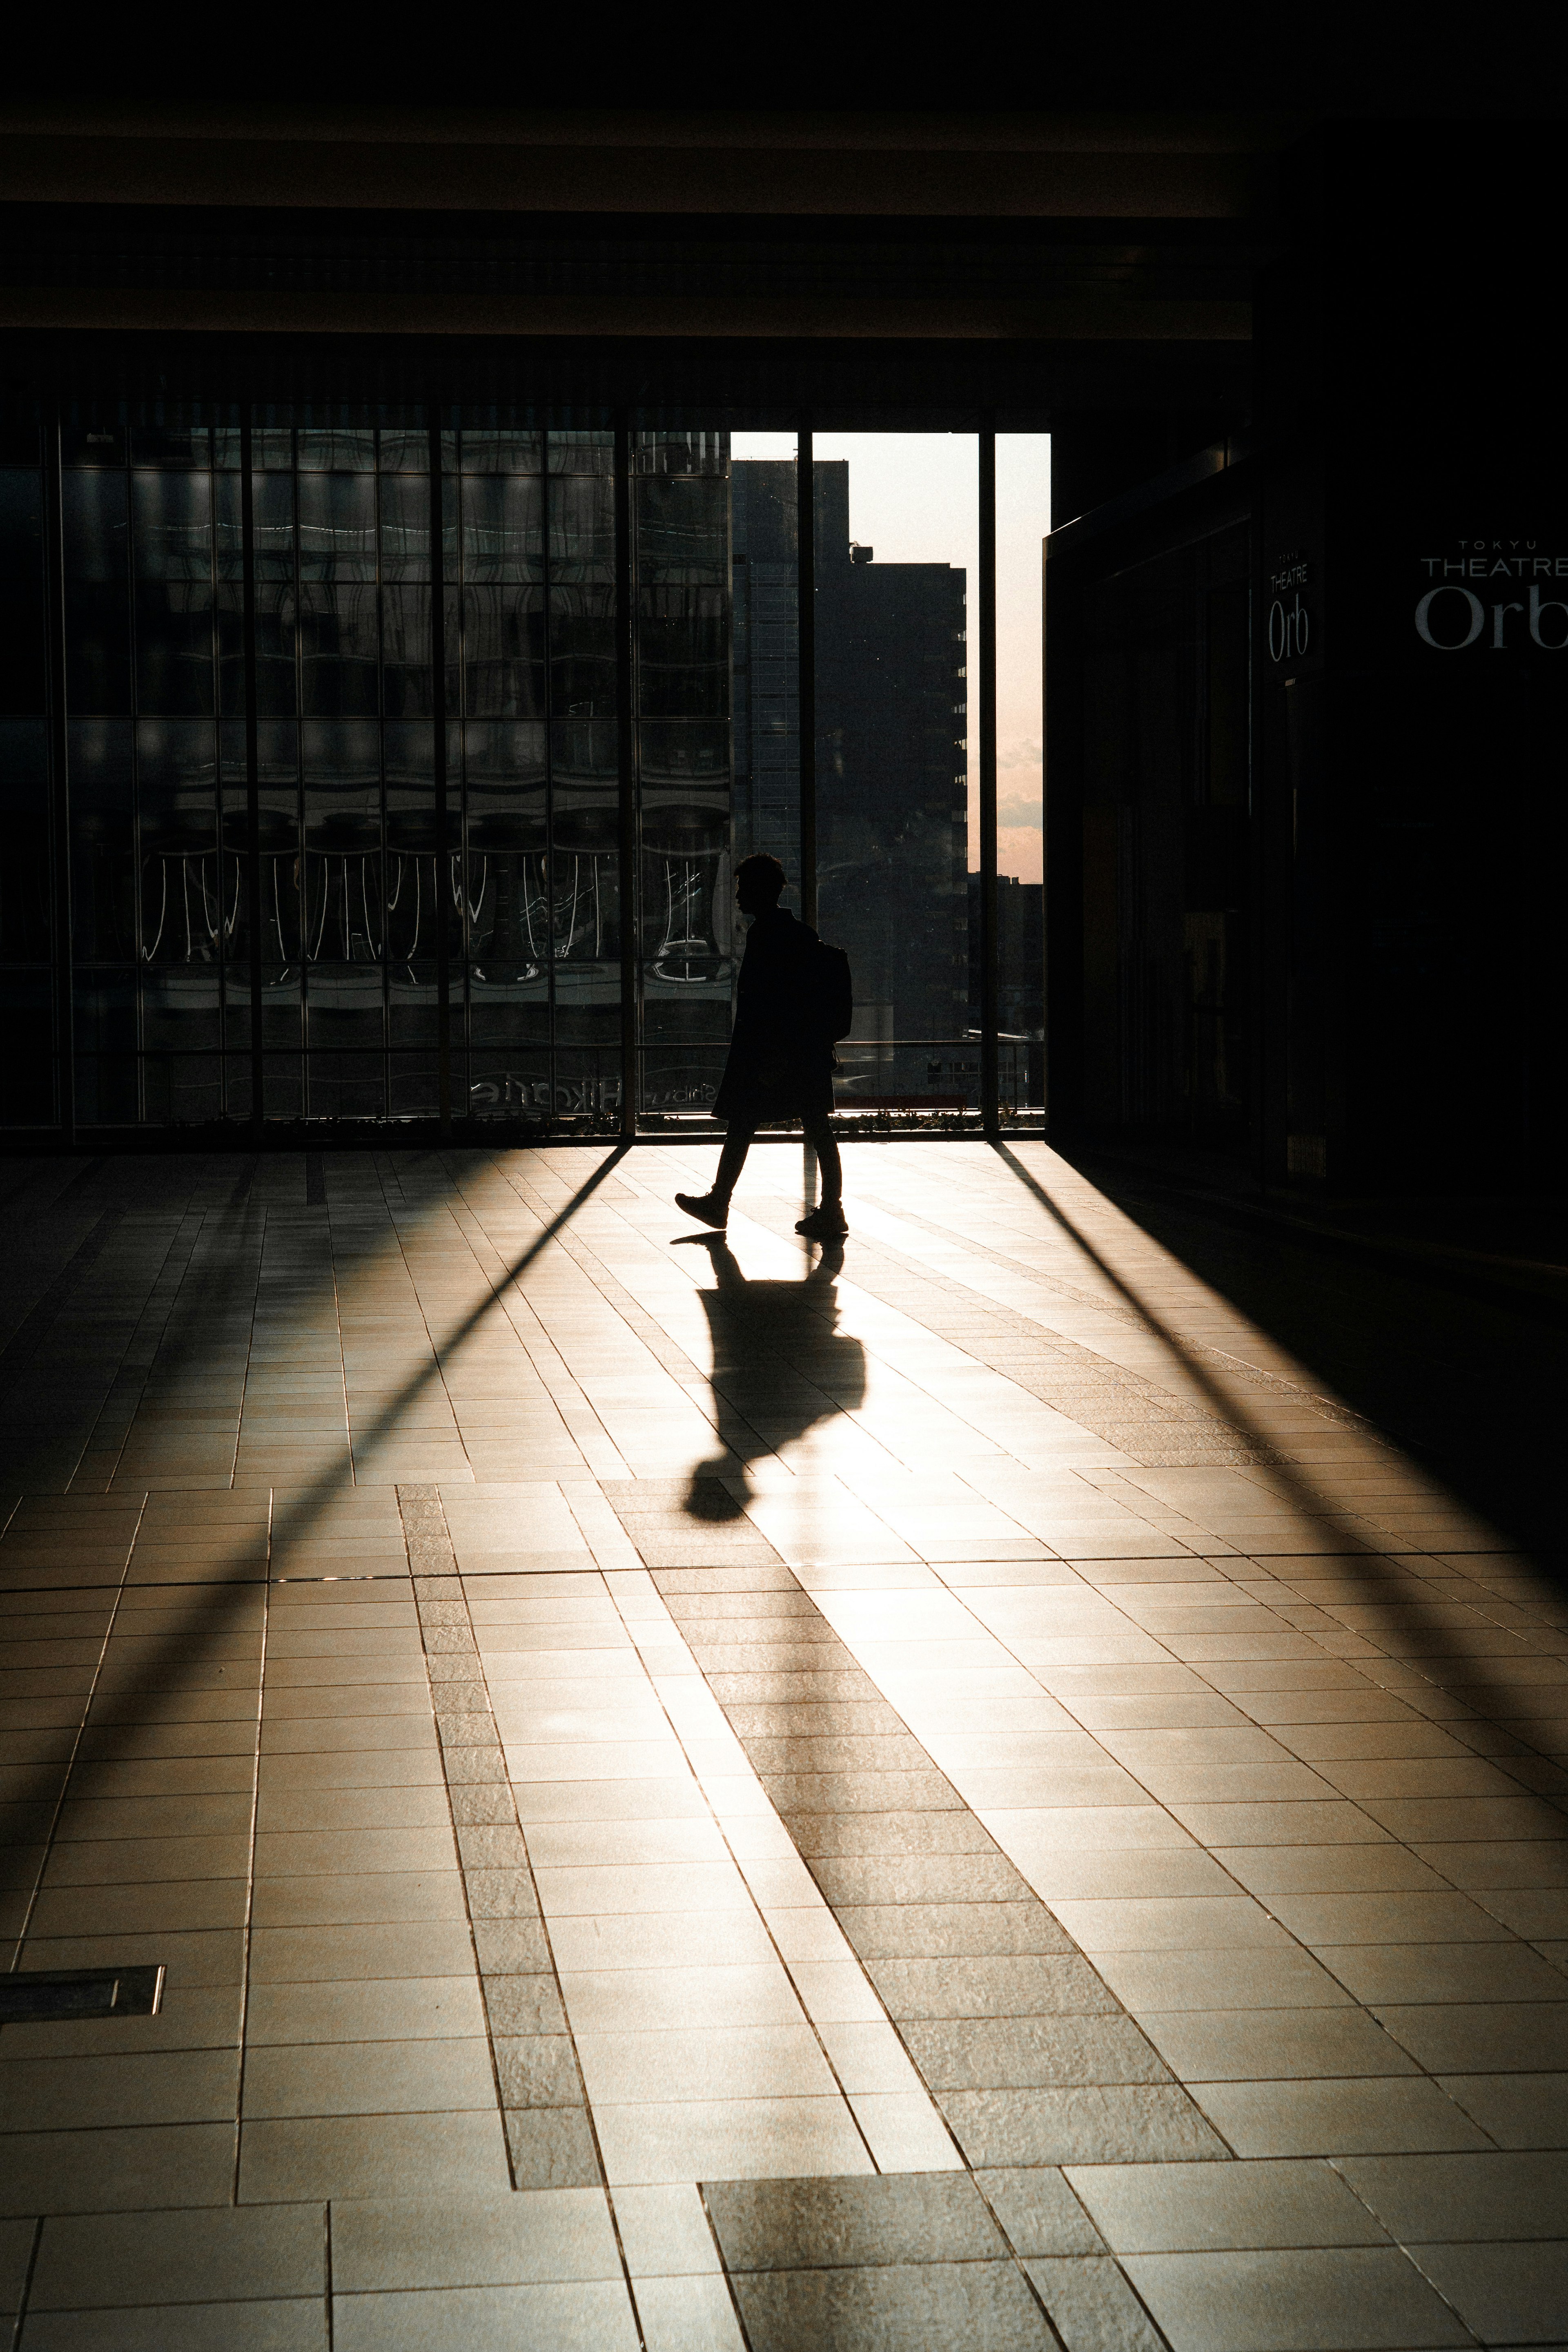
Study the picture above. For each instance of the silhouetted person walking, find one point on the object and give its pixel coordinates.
(780, 1061)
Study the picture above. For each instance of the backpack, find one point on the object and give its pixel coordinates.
(829, 994)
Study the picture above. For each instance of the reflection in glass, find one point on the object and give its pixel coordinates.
(332, 450)
(521, 904)
(338, 527)
(502, 526)
(24, 926)
(103, 841)
(582, 681)
(96, 531)
(504, 653)
(338, 643)
(342, 878)
(507, 867)
(189, 890)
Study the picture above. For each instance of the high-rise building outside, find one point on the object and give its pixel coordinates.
(891, 788)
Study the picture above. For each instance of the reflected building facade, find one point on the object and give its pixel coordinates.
(892, 786)
(248, 722)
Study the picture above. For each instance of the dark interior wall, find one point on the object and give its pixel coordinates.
(1150, 819)
(1404, 987)
(1098, 455)
(1407, 339)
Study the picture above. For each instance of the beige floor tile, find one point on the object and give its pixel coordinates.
(1296, 2302)
(729, 2139)
(371, 2155)
(212, 2256)
(426, 2241)
(579, 2318)
(1336, 2118)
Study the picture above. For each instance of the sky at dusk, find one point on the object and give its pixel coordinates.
(914, 499)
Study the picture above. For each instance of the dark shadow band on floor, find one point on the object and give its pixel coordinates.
(187, 1649)
(1489, 1697)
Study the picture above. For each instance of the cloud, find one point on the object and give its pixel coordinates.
(1020, 854)
(1020, 810)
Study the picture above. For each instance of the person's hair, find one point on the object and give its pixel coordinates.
(764, 873)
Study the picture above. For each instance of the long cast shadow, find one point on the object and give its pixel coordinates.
(184, 1647)
(1462, 1374)
(779, 1365)
(1303, 1493)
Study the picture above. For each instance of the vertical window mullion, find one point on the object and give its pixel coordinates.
(438, 706)
(547, 863)
(64, 972)
(806, 663)
(252, 762)
(626, 767)
(990, 1054)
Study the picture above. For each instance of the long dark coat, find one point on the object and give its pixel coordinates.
(777, 1067)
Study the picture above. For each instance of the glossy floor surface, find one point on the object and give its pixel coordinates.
(695, 1794)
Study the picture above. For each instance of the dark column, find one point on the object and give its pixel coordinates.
(806, 636)
(55, 596)
(990, 1110)
(626, 745)
(442, 846)
(252, 768)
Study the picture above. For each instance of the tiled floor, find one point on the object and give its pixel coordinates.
(697, 1794)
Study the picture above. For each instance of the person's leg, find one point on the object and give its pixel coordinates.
(826, 1221)
(731, 1161)
(713, 1207)
(829, 1167)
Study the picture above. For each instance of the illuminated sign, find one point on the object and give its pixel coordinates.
(1468, 601)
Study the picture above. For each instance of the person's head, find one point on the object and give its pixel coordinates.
(759, 883)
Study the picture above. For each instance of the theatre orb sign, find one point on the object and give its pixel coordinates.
(1465, 599)
(1289, 622)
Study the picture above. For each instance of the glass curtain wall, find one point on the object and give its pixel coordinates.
(681, 531)
(896, 549)
(313, 878)
(354, 764)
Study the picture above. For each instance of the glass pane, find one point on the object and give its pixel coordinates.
(503, 525)
(272, 503)
(765, 653)
(174, 446)
(504, 653)
(408, 678)
(21, 665)
(682, 526)
(508, 910)
(174, 647)
(898, 538)
(581, 453)
(181, 1089)
(337, 449)
(343, 799)
(103, 841)
(172, 520)
(96, 528)
(582, 682)
(27, 1068)
(339, 633)
(485, 450)
(337, 526)
(177, 811)
(582, 527)
(181, 1012)
(25, 876)
(405, 449)
(1023, 518)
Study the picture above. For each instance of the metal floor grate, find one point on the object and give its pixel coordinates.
(37, 1994)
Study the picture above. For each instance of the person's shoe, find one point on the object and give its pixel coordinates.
(705, 1208)
(825, 1224)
